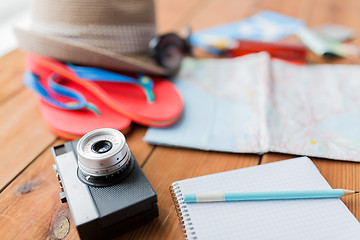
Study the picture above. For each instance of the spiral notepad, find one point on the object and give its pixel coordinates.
(281, 219)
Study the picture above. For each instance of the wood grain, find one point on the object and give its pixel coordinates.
(140, 149)
(30, 206)
(297, 9)
(23, 135)
(172, 16)
(339, 174)
(11, 72)
(218, 12)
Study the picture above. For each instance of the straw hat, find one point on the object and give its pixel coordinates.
(112, 34)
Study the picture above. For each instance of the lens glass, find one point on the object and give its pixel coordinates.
(102, 146)
(171, 56)
(170, 50)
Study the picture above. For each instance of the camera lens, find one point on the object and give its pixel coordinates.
(102, 146)
(102, 156)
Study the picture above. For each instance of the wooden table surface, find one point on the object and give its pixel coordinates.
(30, 207)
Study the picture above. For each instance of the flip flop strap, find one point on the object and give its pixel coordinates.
(101, 75)
(31, 80)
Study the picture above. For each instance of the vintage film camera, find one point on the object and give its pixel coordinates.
(103, 184)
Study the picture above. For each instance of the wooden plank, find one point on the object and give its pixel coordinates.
(218, 12)
(293, 8)
(23, 135)
(139, 148)
(339, 174)
(172, 16)
(11, 72)
(167, 165)
(30, 206)
(339, 12)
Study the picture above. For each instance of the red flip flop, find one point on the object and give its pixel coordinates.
(126, 99)
(72, 124)
(72, 135)
(69, 136)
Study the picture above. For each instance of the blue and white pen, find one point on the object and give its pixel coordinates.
(260, 196)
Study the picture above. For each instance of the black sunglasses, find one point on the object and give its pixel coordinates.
(169, 49)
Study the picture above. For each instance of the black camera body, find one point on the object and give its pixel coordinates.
(124, 201)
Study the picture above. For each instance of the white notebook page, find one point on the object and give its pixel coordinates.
(283, 219)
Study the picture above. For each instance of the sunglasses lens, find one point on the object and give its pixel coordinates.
(169, 51)
(170, 56)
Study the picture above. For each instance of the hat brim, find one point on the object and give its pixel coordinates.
(79, 53)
